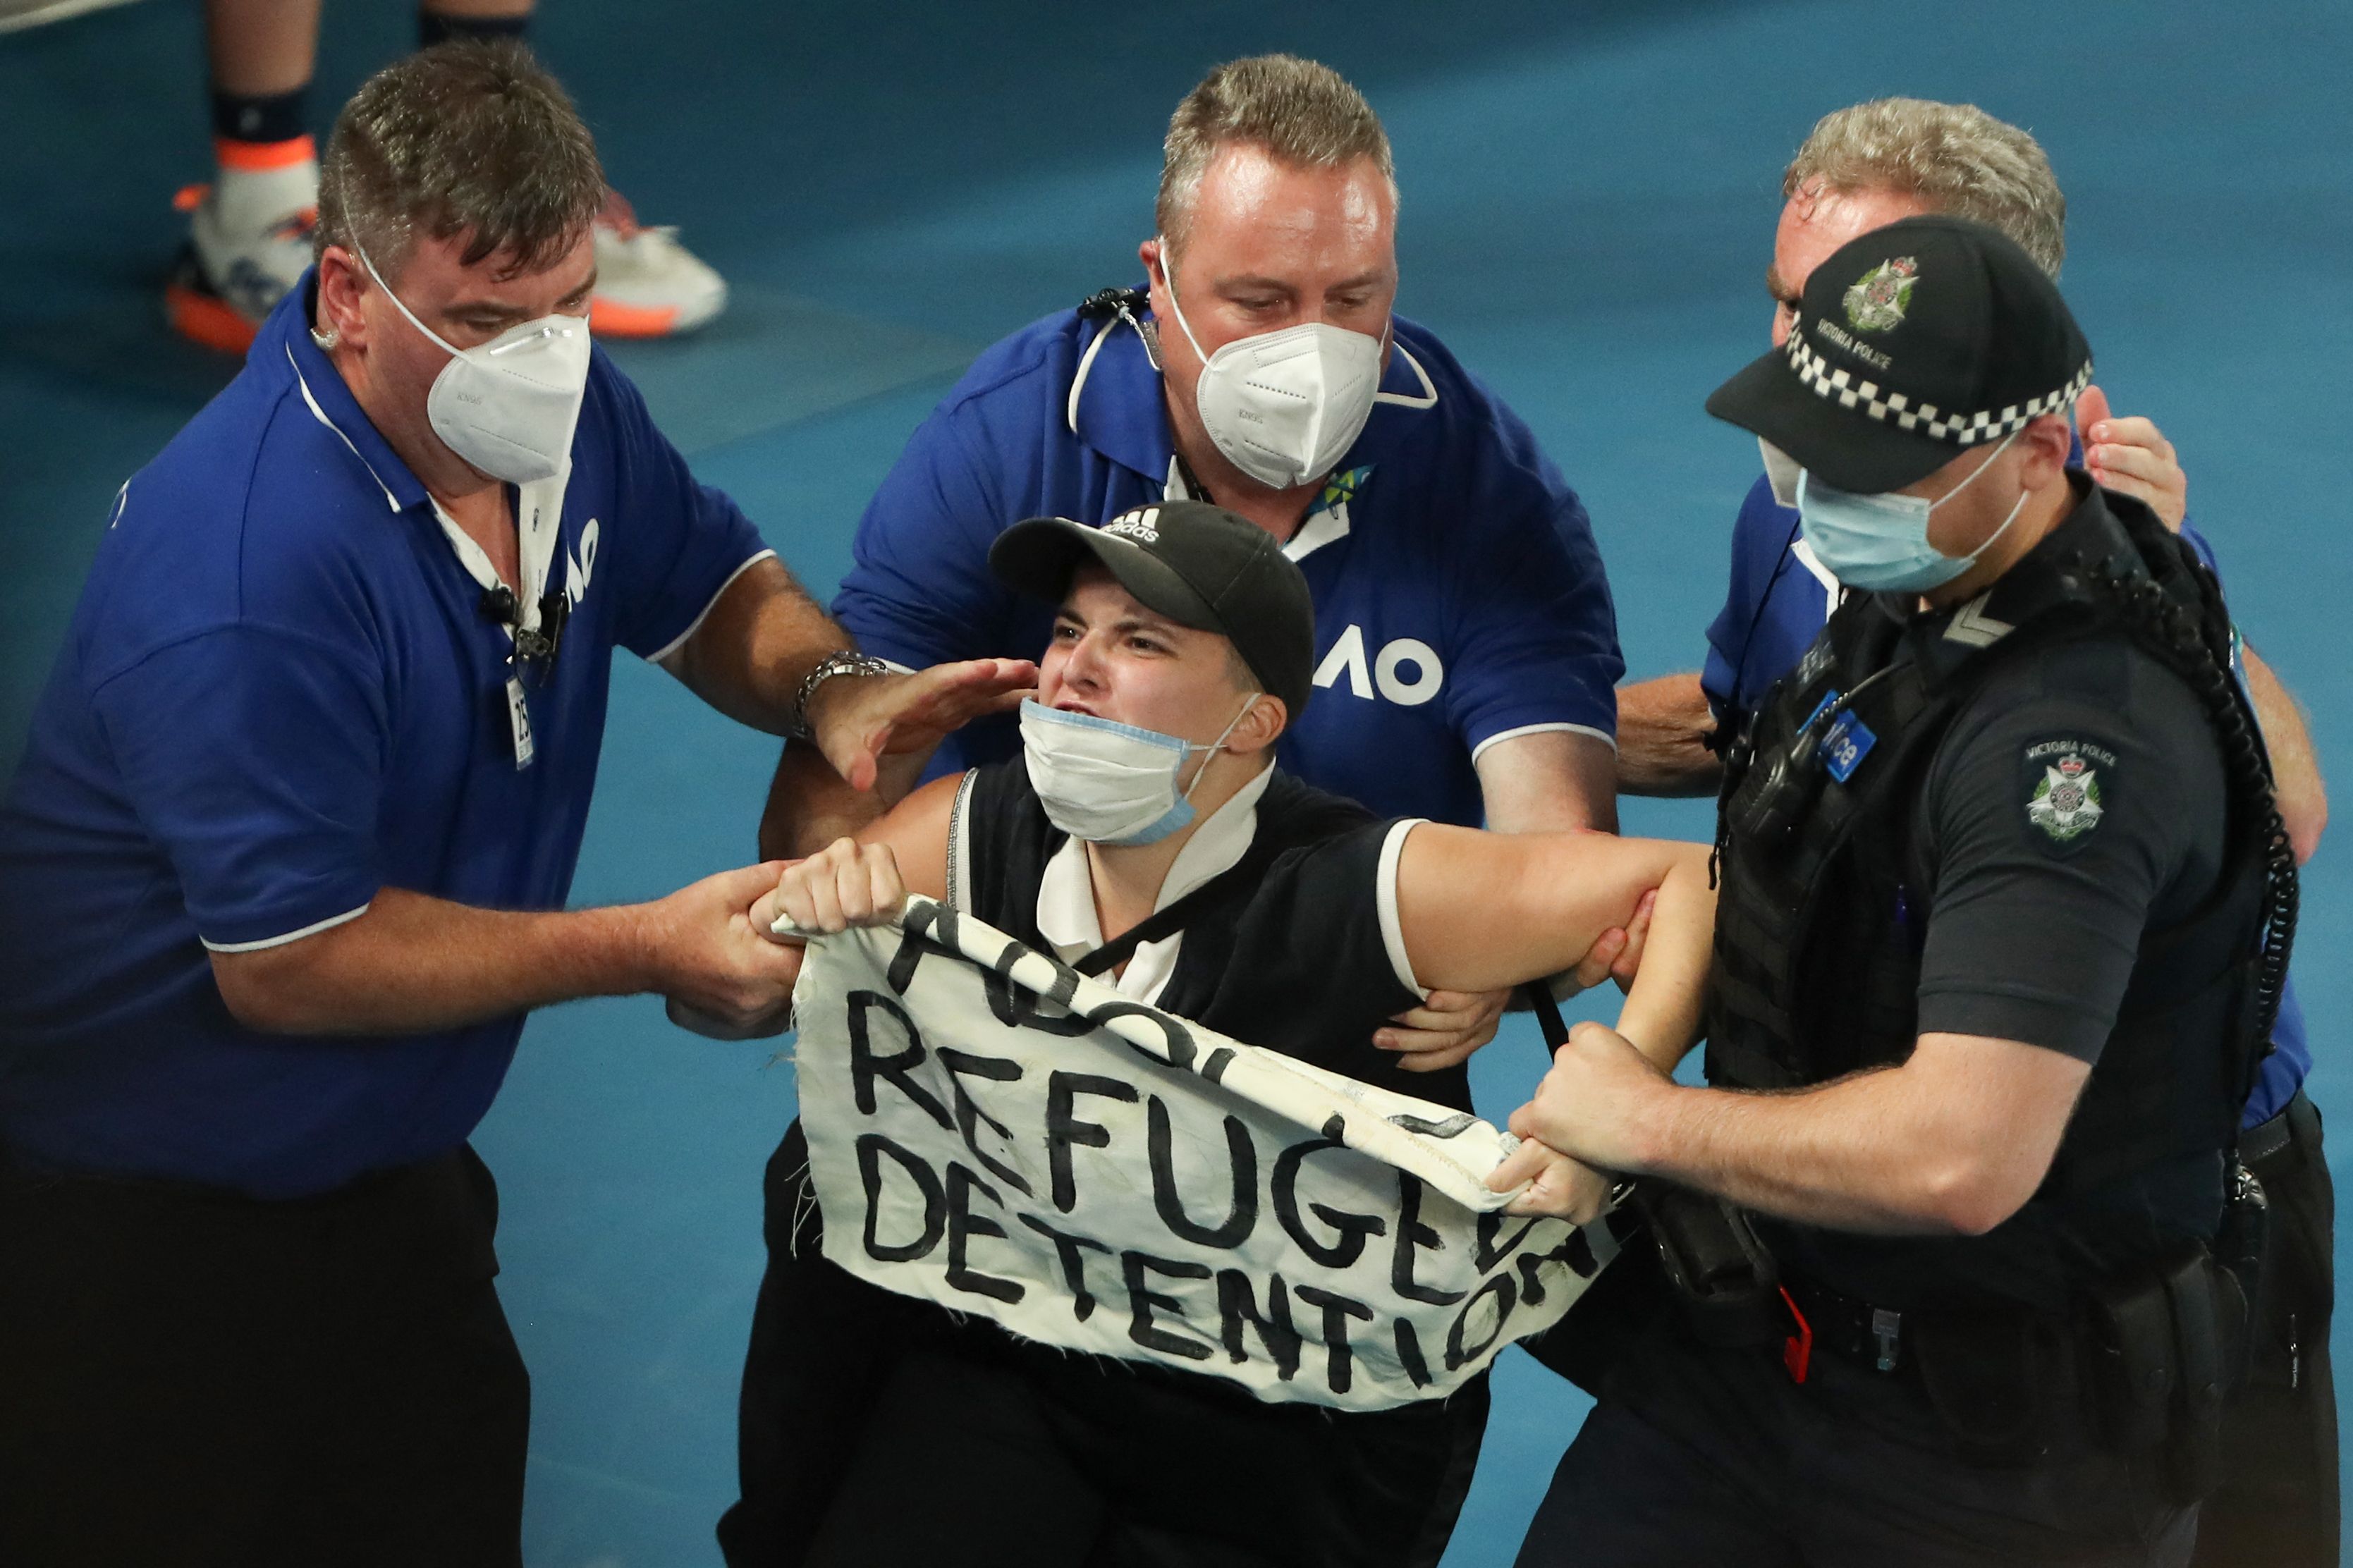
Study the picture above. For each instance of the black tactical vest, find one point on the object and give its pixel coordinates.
(1824, 889)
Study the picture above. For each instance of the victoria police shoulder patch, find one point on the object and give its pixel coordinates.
(2066, 786)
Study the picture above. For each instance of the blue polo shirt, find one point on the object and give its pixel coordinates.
(1780, 598)
(279, 694)
(1458, 598)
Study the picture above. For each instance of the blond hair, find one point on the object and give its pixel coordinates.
(1953, 156)
(1302, 114)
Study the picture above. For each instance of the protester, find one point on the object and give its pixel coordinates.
(1146, 812)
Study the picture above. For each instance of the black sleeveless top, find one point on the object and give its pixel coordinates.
(1294, 961)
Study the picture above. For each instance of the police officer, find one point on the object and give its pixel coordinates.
(1956, 1231)
(1861, 167)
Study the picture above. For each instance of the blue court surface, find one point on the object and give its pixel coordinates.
(1590, 193)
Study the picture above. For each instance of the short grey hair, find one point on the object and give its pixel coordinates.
(1953, 156)
(465, 137)
(1302, 114)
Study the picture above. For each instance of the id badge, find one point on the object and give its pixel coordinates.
(1849, 742)
(519, 717)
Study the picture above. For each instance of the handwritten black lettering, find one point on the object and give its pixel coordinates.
(963, 1225)
(1064, 1130)
(1237, 1306)
(1352, 1229)
(1339, 1356)
(1241, 1161)
(1412, 1234)
(865, 1066)
(871, 1147)
(1409, 1356)
(1017, 1006)
(1458, 1354)
(969, 1115)
(1485, 1250)
(1176, 1047)
(916, 943)
(1573, 1250)
(1071, 1249)
(1141, 1300)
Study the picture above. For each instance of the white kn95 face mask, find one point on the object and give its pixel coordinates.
(508, 407)
(1284, 406)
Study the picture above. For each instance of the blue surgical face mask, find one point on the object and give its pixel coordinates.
(1880, 542)
(1109, 783)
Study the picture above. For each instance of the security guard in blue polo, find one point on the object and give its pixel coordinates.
(1958, 1235)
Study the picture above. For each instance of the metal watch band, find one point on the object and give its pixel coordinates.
(842, 661)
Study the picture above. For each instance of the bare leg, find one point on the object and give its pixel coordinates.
(648, 285)
(249, 234)
(499, 8)
(259, 47)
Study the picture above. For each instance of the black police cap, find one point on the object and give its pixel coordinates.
(1913, 344)
(1197, 564)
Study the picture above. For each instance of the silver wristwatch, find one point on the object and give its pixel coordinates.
(843, 661)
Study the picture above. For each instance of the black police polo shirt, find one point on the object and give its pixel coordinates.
(2077, 802)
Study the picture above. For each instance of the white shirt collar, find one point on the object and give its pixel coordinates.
(1322, 525)
(539, 508)
(1066, 895)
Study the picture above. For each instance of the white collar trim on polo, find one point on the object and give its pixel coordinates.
(539, 508)
(1324, 526)
(1066, 894)
(320, 416)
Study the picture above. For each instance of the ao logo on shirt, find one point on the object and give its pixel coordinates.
(575, 580)
(1407, 669)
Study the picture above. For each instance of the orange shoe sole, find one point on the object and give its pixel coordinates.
(611, 318)
(206, 320)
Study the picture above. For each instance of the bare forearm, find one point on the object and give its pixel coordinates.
(1853, 1154)
(2295, 770)
(1481, 911)
(1662, 729)
(811, 805)
(750, 655)
(1559, 781)
(1668, 1000)
(414, 963)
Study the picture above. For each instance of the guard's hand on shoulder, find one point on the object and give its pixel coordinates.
(2132, 456)
(859, 721)
(845, 884)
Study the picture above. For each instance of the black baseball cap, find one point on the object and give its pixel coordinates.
(1197, 564)
(1912, 345)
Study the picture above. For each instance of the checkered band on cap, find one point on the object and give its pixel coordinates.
(1895, 408)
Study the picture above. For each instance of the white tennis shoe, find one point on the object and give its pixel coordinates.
(648, 284)
(249, 239)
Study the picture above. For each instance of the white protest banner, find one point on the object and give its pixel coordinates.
(990, 1130)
